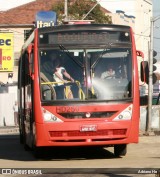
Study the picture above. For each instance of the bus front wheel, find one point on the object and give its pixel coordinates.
(120, 149)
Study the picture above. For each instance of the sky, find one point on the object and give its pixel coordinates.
(113, 5)
(7, 4)
(110, 5)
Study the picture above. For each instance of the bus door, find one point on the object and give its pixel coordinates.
(27, 97)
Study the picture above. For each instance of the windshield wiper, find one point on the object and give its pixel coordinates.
(100, 56)
(70, 56)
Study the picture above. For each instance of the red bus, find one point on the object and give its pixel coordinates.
(87, 107)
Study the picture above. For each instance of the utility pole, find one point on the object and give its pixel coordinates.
(150, 86)
(66, 9)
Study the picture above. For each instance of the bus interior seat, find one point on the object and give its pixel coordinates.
(48, 87)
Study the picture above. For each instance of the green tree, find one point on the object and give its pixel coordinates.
(78, 9)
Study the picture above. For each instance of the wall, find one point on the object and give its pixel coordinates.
(6, 109)
(155, 118)
(143, 13)
(8, 96)
(123, 19)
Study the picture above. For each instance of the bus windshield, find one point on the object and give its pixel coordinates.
(86, 72)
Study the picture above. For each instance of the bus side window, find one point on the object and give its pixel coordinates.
(26, 69)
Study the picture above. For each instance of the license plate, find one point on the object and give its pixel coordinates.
(88, 128)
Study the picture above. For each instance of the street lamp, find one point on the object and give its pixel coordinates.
(150, 86)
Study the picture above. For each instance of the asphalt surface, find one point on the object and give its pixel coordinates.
(149, 141)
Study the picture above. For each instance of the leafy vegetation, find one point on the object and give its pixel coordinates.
(77, 10)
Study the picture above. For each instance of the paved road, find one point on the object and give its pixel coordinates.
(144, 155)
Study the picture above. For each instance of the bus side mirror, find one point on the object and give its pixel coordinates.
(30, 58)
(144, 69)
(144, 72)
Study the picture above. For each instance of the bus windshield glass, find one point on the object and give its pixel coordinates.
(89, 73)
(71, 72)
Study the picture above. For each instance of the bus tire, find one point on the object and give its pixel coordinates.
(21, 137)
(20, 134)
(120, 150)
(26, 146)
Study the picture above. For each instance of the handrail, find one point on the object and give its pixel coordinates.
(81, 93)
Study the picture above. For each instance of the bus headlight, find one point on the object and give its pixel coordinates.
(125, 114)
(49, 117)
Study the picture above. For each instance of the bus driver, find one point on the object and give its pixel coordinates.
(109, 74)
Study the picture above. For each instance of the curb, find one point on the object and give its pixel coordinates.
(9, 130)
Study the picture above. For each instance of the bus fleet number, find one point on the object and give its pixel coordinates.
(67, 109)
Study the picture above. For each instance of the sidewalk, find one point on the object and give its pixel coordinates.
(9, 130)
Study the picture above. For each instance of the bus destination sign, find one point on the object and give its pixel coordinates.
(84, 37)
(80, 37)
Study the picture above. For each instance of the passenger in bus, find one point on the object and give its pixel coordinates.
(47, 69)
(47, 66)
(109, 73)
(61, 77)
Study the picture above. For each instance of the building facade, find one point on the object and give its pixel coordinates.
(121, 18)
(138, 18)
(20, 21)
